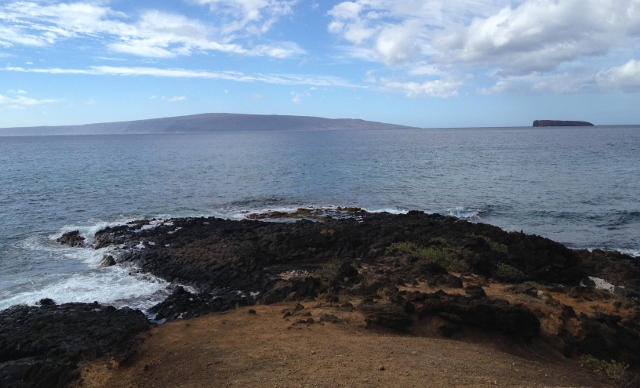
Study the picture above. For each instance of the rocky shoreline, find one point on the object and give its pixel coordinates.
(402, 272)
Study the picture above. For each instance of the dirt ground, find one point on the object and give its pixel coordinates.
(264, 349)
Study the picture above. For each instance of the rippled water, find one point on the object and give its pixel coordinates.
(579, 186)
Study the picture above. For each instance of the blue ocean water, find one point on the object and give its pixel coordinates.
(579, 186)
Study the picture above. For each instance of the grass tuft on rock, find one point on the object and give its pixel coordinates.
(441, 253)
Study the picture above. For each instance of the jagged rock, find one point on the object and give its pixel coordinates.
(228, 261)
(433, 269)
(406, 305)
(587, 282)
(475, 292)
(72, 239)
(345, 273)
(603, 337)
(239, 254)
(184, 304)
(336, 257)
(347, 306)
(328, 318)
(294, 289)
(416, 296)
(492, 315)
(107, 261)
(387, 315)
(41, 346)
(46, 302)
(453, 281)
(524, 288)
(449, 329)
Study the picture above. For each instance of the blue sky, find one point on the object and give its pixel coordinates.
(429, 63)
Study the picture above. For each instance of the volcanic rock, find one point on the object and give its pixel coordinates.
(72, 239)
(380, 258)
(491, 315)
(41, 346)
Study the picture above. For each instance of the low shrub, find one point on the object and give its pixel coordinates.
(615, 370)
(507, 273)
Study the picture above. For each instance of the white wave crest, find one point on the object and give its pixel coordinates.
(463, 212)
(117, 286)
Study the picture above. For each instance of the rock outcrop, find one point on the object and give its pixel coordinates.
(402, 272)
(72, 239)
(40, 346)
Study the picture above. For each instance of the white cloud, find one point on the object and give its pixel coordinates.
(252, 16)
(151, 34)
(539, 35)
(434, 88)
(153, 97)
(296, 97)
(280, 79)
(625, 77)
(256, 96)
(348, 23)
(21, 102)
(400, 44)
(515, 36)
(561, 83)
(399, 31)
(112, 59)
(177, 98)
(91, 101)
(524, 45)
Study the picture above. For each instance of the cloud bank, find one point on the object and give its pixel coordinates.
(519, 45)
(148, 33)
(420, 48)
(278, 79)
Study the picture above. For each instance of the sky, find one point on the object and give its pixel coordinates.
(424, 63)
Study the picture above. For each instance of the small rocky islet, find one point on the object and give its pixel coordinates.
(561, 123)
(402, 272)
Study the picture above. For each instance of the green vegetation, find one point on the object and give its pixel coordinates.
(328, 271)
(495, 246)
(336, 271)
(614, 369)
(441, 252)
(508, 273)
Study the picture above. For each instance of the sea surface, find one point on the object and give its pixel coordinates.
(579, 186)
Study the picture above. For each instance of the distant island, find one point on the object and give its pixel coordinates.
(209, 122)
(560, 123)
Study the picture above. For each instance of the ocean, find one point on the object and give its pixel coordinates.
(576, 185)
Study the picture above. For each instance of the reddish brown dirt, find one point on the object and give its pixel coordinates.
(240, 349)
